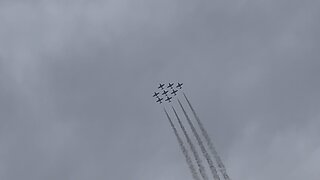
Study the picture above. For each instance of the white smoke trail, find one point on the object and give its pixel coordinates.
(209, 142)
(192, 147)
(183, 149)
(202, 147)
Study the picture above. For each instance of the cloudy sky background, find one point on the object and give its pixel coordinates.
(76, 79)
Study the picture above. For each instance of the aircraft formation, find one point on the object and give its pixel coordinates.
(196, 146)
(166, 92)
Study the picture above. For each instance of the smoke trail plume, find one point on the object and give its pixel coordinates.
(203, 149)
(183, 148)
(209, 142)
(192, 147)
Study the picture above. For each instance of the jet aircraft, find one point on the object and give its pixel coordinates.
(170, 85)
(165, 92)
(159, 100)
(155, 94)
(161, 86)
(168, 99)
(179, 85)
(174, 92)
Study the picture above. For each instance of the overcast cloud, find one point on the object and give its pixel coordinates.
(76, 79)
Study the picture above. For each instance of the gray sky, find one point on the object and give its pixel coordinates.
(76, 79)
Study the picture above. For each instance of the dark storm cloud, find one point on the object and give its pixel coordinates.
(77, 79)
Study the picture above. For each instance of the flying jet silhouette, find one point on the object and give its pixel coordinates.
(170, 85)
(174, 92)
(179, 85)
(161, 86)
(155, 94)
(165, 92)
(159, 100)
(168, 99)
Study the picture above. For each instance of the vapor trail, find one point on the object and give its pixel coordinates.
(203, 149)
(192, 147)
(183, 148)
(209, 142)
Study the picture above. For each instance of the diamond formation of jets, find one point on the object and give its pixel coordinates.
(166, 92)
